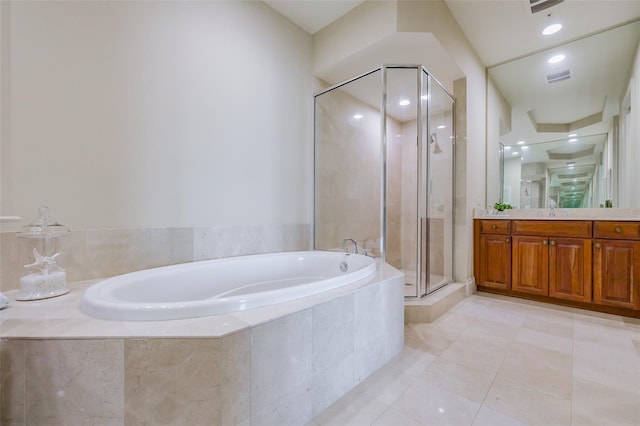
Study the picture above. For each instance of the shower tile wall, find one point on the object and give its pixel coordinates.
(348, 182)
(101, 253)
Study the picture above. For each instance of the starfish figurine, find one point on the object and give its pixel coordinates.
(43, 263)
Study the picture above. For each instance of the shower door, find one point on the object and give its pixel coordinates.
(383, 172)
(419, 130)
(437, 146)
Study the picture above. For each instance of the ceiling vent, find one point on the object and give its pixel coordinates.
(536, 6)
(558, 76)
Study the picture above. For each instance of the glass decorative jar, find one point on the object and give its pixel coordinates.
(42, 246)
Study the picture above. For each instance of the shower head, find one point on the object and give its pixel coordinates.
(434, 141)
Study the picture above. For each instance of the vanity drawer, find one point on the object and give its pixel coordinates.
(556, 228)
(497, 226)
(617, 230)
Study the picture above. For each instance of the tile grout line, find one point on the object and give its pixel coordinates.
(497, 372)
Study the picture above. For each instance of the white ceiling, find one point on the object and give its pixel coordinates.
(498, 30)
(313, 15)
(502, 30)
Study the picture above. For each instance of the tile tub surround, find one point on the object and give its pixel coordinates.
(281, 364)
(103, 253)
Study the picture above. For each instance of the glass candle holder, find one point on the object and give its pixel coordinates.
(42, 246)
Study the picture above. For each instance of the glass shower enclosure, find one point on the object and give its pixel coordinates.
(383, 172)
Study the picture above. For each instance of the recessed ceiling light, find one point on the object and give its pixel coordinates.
(524, 148)
(555, 59)
(358, 116)
(552, 29)
(521, 142)
(573, 140)
(572, 135)
(404, 102)
(441, 127)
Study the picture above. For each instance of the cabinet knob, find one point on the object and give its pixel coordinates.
(544, 243)
(553, 243)
(618, 229)
(494, 226)
(597, 245)
(508, 240)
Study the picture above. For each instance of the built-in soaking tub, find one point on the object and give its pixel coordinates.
(222, 286)
(277, 364)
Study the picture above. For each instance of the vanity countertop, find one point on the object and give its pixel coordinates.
(560, 214)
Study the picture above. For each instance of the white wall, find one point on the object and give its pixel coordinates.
(128, 114)
(362, 26)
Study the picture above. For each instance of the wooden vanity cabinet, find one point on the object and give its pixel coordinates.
(552, 258)
(616, 264)
(530, 262)
(493, 259)
(570, 269)
(587, 264)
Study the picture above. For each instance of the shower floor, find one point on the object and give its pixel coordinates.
(410, 281)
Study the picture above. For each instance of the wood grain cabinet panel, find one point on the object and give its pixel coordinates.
(616, 273)
(530, 265)
(617, 230)
(556, 228)
(495, 261)
(495, 226)
(570, 269)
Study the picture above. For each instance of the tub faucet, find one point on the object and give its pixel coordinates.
(344, 245)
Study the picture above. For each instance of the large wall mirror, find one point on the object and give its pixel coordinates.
(566, 133)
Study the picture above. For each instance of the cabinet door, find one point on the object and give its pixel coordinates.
(530, 265)
(616, 273)
(495, 261)
(570, 269)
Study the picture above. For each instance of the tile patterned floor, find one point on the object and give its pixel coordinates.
(494, 360)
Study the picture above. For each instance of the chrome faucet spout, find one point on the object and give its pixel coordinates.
(552, 207)
(355, 245)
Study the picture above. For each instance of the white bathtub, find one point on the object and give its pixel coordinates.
(219, 286)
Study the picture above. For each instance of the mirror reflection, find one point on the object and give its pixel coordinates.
(561, 125)
(560, 173)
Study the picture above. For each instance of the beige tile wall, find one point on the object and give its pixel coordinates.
(349, 171)
(101, 253)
